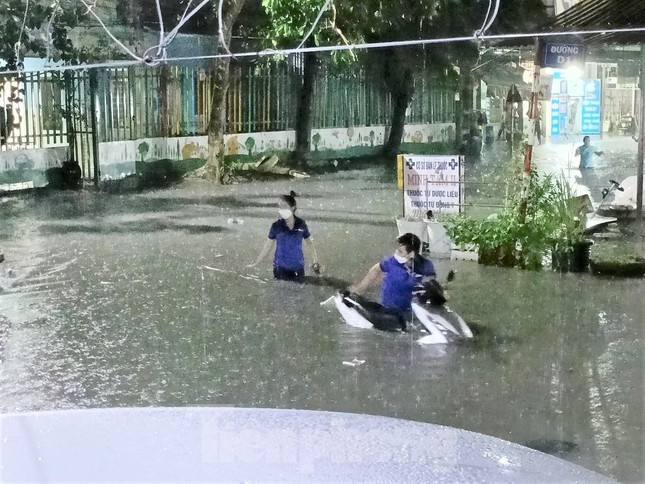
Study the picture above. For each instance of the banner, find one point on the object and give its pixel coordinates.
(544, 87)
(432, 183)
(591, 107)
(575, 106)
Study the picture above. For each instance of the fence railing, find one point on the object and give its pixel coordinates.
(31, 111)
(43, 109)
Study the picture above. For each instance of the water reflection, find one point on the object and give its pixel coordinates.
(99, 318)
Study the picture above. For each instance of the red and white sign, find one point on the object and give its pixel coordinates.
(432, 183)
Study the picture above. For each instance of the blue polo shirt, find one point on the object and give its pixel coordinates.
(288, 250)
(400, 280)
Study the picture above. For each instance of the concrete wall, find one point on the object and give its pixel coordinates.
(26, 168)
(117, 159)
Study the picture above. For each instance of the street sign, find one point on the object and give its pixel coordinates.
(564, 55)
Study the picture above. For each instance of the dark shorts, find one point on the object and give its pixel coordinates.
(282, 274)
(383, 318)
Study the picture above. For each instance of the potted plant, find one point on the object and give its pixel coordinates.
(494, 238)
(569, 246)
(535, 220)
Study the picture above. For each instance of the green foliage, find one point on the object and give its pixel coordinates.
(539, 217)
(569, 226)
(44, 20)
(376, 21)
(291, 19)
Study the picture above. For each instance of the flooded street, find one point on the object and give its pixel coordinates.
(145, 300)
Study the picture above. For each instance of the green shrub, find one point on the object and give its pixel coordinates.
(540, 215)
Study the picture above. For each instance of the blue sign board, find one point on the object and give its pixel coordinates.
(555, 118)
(558, 105)
(591, 115)
(564, 55)
(575, 106)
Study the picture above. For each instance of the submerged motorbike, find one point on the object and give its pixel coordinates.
(429, 309)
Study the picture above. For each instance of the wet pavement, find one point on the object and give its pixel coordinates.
(145, 300)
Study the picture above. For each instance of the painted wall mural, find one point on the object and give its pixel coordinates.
(21, 169)
(118, 159)
(26, 168)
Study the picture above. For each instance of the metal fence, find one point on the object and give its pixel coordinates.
(80, 109)
(262, 97)
(49, 109)
(32, 108)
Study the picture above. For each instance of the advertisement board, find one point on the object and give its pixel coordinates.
(575, 106)
(432, 183)
(591, 107)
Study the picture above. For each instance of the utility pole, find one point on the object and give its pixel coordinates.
(641, 140)
(533, 110)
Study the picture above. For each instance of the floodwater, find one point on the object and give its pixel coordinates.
(145, 300)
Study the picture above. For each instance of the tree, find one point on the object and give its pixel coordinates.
(376, 21)
(398, 76)
(462, 18)
(221, 69)
(289, 21)
(45, 33)
(357, 21)
(204, 22)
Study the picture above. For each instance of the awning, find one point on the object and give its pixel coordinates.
(601, 14)
(500, 75)
(593, 15)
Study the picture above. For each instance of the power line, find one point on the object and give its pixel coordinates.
(90, 9)
(332, 48)
(492, 19)
(220, 30)
(405, 43)
(484, 27)
(161, 48)
(320, 14)
(18, 44)
(164, 41)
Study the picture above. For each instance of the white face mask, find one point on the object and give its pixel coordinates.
(400, 259)
(285, 213)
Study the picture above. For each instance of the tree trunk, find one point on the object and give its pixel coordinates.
(69, 118)
(399, 81)
(400, 103)
(302, 148)
(216, 123)
(164, 108)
